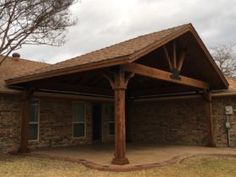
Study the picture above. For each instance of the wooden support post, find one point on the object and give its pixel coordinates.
(210, 124)
(119, 85)
(25, 112)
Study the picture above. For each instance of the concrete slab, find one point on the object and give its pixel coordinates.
(138, 155)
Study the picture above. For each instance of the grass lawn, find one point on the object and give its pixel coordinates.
(204, 166)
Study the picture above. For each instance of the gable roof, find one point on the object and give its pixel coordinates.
(12, 67)
(121, 53)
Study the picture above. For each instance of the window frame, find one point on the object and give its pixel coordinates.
(79, 122)
(35, 123)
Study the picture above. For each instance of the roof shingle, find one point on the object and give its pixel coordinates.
(12, 67)
(113, 52)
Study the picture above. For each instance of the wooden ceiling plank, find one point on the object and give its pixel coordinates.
(147, 71)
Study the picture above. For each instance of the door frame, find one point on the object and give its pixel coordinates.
(99, 126)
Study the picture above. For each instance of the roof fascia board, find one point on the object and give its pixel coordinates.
(69, 70)
(137, 55)
(208, 55)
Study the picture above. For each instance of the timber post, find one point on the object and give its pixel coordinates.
(25, 113)
(210, 124)
(119, 85)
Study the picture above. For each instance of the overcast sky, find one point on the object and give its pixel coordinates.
(105, 22)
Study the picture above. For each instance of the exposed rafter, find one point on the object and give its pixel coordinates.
(174, 60)
(168, 57)
(181, 61)
(174, 56)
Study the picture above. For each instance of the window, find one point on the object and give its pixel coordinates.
(33, 129)
(110, 115)
(78, 119)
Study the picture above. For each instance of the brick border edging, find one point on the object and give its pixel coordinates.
(113, 168)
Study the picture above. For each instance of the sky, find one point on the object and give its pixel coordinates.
(105, 22)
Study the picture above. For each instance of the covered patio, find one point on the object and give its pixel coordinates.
(167, 63)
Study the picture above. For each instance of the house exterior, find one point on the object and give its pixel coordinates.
(159, 88)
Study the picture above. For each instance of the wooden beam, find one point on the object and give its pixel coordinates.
(72, 87)
(181, 61)
(71, 96)
(210, 125)
(164, 75)
(174, 55)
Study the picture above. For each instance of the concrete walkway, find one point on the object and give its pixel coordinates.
(100, 156)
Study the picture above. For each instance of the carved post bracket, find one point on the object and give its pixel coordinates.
(117, 83)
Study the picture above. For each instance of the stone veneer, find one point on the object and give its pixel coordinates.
(168, 122)
(55, 127)
(9, 122)
(56, 124)
(181, 121)
(220, 118)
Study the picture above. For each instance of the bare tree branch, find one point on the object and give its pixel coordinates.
(33, 22)
(225, 58)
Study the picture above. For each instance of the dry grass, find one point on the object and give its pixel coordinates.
(19, 166)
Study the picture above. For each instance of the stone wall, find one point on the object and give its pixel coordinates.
(55, 127)
(161, 122)
(220, 119)
(56, 124)
(180, 121)
(168, 122)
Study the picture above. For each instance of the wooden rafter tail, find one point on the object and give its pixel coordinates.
(168, 58)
